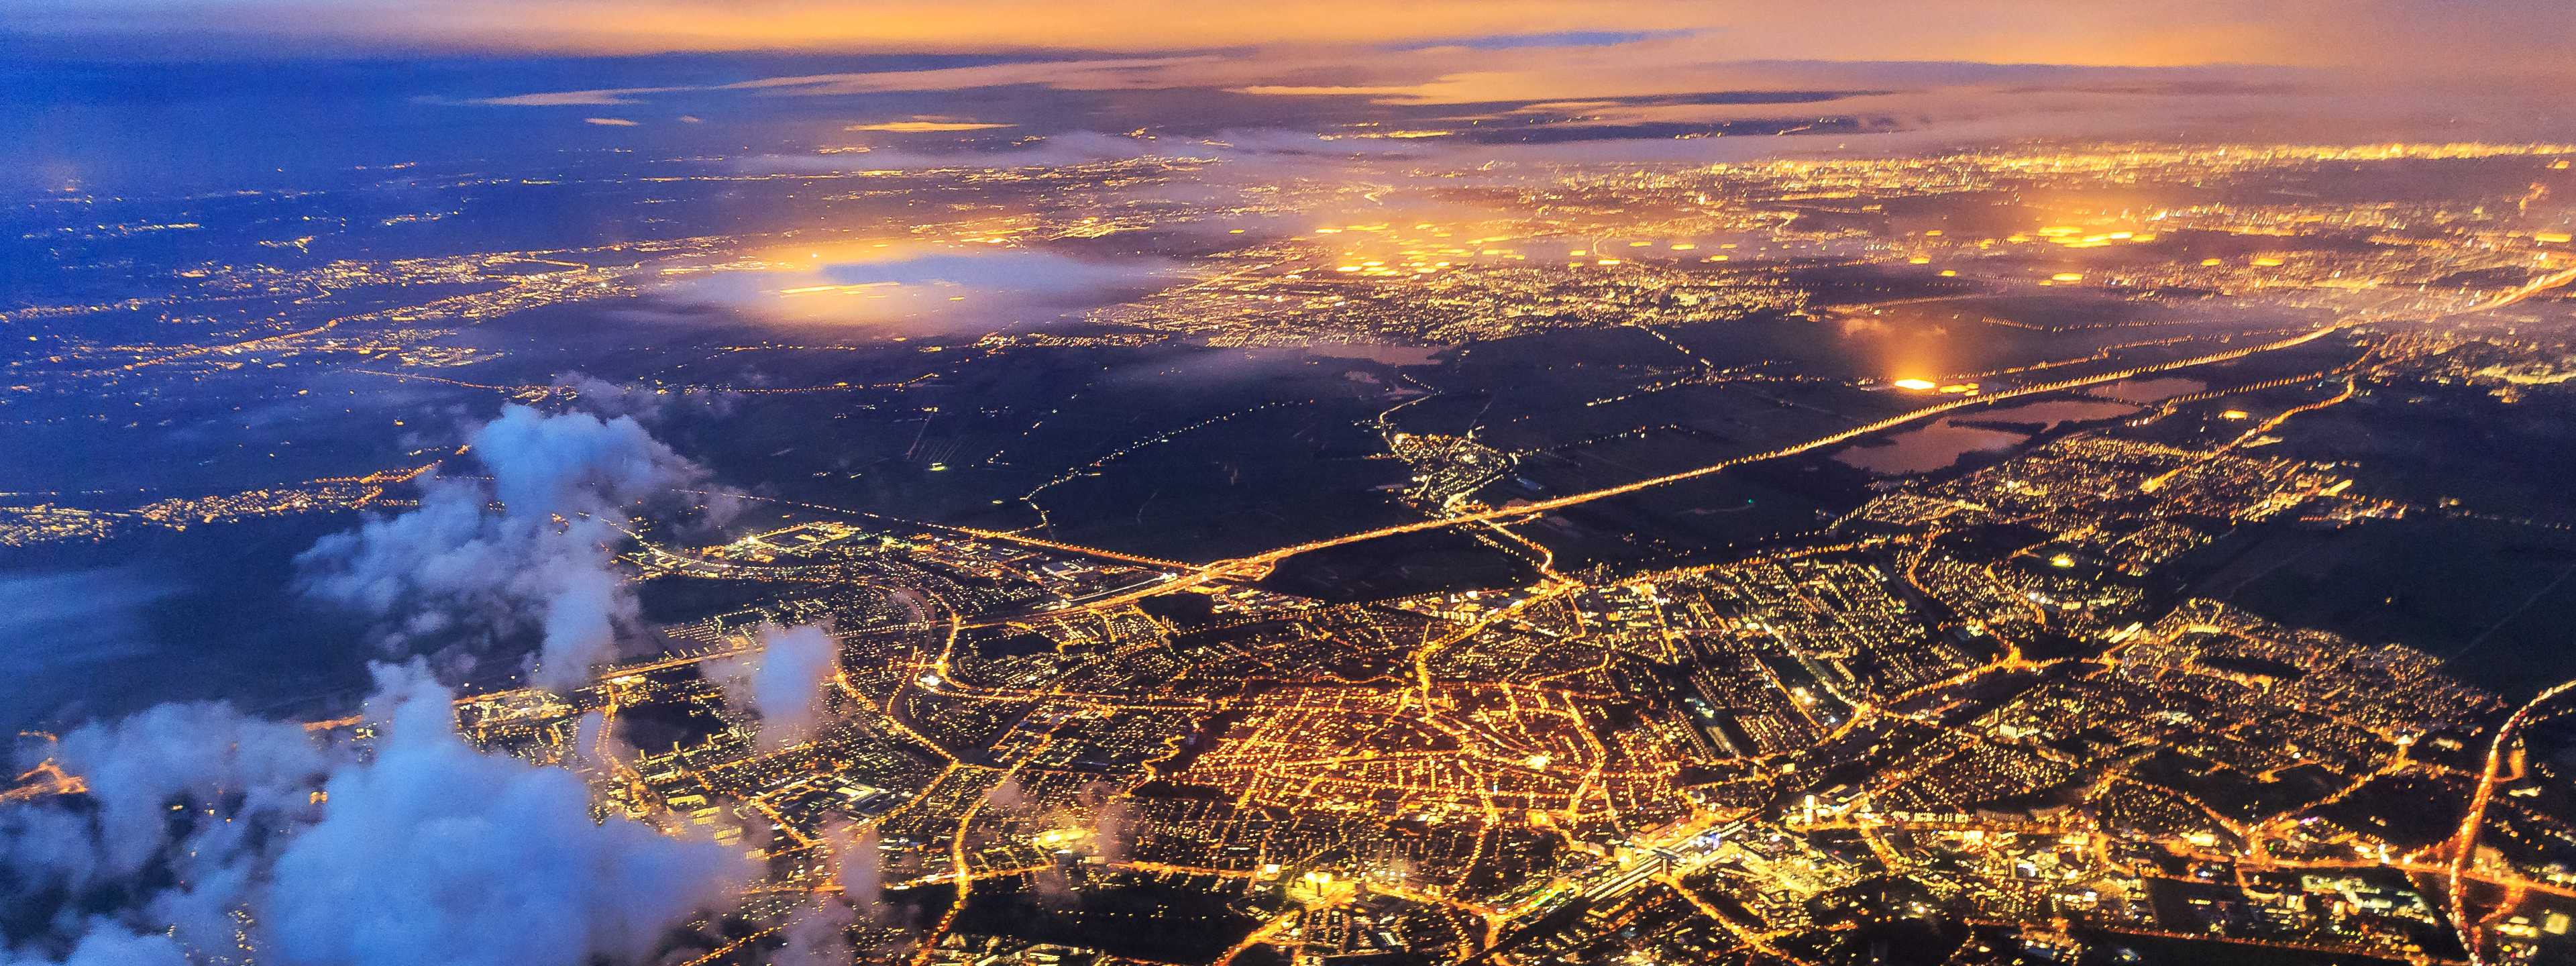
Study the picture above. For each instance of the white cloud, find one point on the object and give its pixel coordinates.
(782, 684)
(424, 852)
(467, 582)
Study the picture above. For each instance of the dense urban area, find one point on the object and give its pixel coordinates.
(2055, 553)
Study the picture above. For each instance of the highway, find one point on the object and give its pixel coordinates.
(2464, 847)
(1262, 563)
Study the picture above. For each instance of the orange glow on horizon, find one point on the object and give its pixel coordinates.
(923, 127)
(2157, 33)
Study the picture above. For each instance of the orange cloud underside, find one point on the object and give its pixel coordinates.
(2140, 33)
(924, 127)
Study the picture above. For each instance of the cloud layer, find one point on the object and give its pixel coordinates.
(782, 685)
(2424, 34)
(470, 582)
(412, 851)
(203, 833)
(918, 289)
(402, 870)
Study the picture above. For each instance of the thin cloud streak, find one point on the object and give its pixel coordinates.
(2419, 37)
